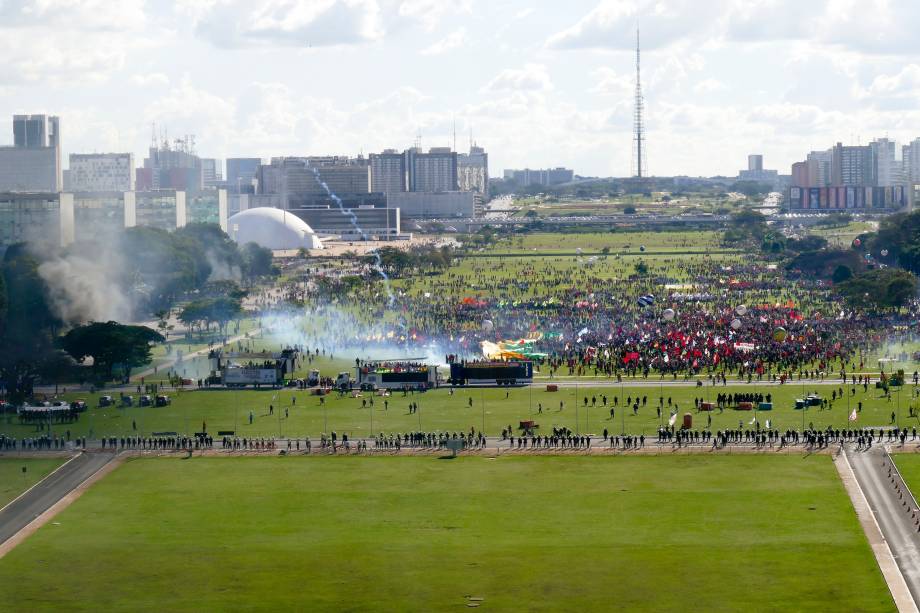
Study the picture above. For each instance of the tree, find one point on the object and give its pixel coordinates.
(30, 324)
(751, 189)
(223, 310)
(841, 273)
(195, 314)
(392, 260)
(747, 226)
(887, 288)
(257, 261)
(899, 236)
(111, 344)
(3, 305)
(629, 210)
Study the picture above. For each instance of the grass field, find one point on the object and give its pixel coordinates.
(490, 411)
(909, 467)
(421, 534)
(13, 481)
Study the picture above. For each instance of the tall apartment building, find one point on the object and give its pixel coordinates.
(473, 171)
(755, 162)
(887, 169)
(101, 172)
(388, 172)
(852, 165)
(910, 159)
(851, 177)
(819, 165)
(435, 171)
(33, 163)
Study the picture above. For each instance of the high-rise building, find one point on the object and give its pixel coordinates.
(172, 166)
(33, 163)
(101, 172)
(240, 174)
(888, 169)
(852, 177)
(435, 171)
(820, 168)
(852, 165)
(910, 160)
(388, 172)
(300, 181)
(473, 171)
(211, 172)
(36, 131)
(755, 162)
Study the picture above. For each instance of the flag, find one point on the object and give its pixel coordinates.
(853, 415)
(672, 419)
(753, 421)
(769, 425)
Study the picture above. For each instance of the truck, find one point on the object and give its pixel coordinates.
(492, 373)
(313, 379)
(396, 375)
(343, 382)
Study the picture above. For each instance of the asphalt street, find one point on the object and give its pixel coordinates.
(19, 513)
(895, 510)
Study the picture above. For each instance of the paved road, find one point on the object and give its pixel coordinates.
(894, 508)
(18, 514)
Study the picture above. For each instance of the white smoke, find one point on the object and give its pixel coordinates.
(221, 271)
(83, 289)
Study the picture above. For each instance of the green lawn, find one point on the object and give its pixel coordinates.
(441, 411)
(422, 534)
(13, 481)
(909, 467)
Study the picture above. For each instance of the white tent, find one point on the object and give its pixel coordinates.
(273, 229)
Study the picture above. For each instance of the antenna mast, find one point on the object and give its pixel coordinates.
(638, 121)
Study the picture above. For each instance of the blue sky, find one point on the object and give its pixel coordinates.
(540, 84)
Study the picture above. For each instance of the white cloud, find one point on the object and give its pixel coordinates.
(430, 13)
(297, 23)
(532, 77)
(68, 41)
(153, 79)
(455, 39)
(709, 86)
(74, 14)
(608, 81)
(612, 24)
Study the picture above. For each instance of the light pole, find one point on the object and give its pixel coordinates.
(482, 404)
(576, 408)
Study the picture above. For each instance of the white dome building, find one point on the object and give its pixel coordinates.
(273, 229)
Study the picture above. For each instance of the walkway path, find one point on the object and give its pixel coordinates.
(890, 517)
(47, 493)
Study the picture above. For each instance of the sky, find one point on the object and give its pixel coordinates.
(538, 83)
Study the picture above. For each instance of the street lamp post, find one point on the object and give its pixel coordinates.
(482, 404)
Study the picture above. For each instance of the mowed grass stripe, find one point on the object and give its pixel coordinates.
(400, 533)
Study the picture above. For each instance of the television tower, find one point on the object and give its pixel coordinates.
(639, 160)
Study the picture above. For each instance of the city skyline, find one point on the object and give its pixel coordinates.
(281, 78)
